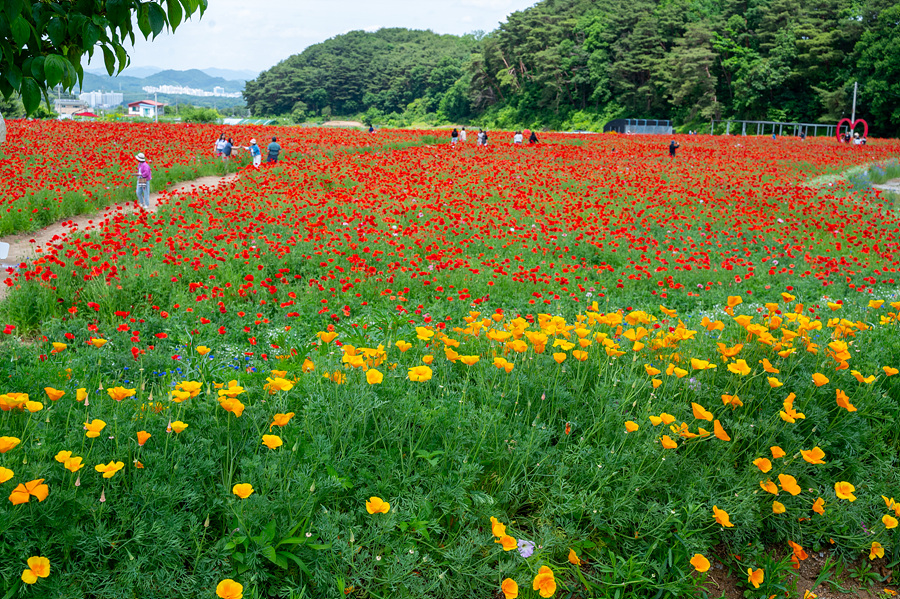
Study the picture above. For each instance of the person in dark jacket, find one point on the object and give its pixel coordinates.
(673, 145)
(532, 139)
(274, 150)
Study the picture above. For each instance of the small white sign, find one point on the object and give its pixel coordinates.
(4, 250)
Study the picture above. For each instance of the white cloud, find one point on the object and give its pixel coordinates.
(235, 34)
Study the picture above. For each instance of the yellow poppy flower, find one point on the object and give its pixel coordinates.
(844, 490)
(93, 428)
(242, 490)
(375, 505)
(272, 441)
(120, 393)
(38, 567)
(229, 589)
(420, 374)
(109, 470)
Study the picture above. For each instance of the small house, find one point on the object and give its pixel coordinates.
(145, 108)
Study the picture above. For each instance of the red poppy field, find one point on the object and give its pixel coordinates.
(388, 367)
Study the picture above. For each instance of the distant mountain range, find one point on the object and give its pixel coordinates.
(194, 78)
(133, 80)
(142, 72)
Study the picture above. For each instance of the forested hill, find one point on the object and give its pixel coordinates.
(565, 62)
(690, 60)
(387, 69)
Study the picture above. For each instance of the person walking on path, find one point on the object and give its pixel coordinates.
(255, 152)
(462, 135)
(454, 137)
(673, 145)
(274, 150)
(532, 139)
(143, 181)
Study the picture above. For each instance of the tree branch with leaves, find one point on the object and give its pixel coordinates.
(43, 43)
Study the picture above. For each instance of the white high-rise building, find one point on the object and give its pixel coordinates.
(100, 99)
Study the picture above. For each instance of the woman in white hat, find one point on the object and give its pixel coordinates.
(255, 152)
(143, 181)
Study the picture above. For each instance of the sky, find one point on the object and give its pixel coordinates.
(257, 34)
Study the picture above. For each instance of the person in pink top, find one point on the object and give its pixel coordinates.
(143, 181)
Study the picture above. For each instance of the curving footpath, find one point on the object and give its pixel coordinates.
(25, 246)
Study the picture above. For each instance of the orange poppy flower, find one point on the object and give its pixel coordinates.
(721, 517)
(700, 563)
(24, 492)
(755, 577)
(510, 588)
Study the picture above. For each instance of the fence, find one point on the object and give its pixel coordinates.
(639, 127)
(769, 128)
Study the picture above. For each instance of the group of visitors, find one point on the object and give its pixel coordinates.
(853, 138)
(223, 148)
(482, 138)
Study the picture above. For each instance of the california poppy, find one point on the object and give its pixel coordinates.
(375, 505)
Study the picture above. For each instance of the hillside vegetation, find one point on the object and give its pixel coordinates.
(385, 71)
(580, 62)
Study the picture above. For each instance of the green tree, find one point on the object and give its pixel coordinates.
(879, 66)
(691, 85)
(42, 43)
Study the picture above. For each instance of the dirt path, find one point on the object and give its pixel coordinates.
(892, 186)
(343, 124)
(23, 246)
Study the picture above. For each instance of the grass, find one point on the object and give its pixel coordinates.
(535, 350)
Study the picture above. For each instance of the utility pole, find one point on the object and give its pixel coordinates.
(853, 114)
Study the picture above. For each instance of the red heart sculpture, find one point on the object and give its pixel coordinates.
(852, 126)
